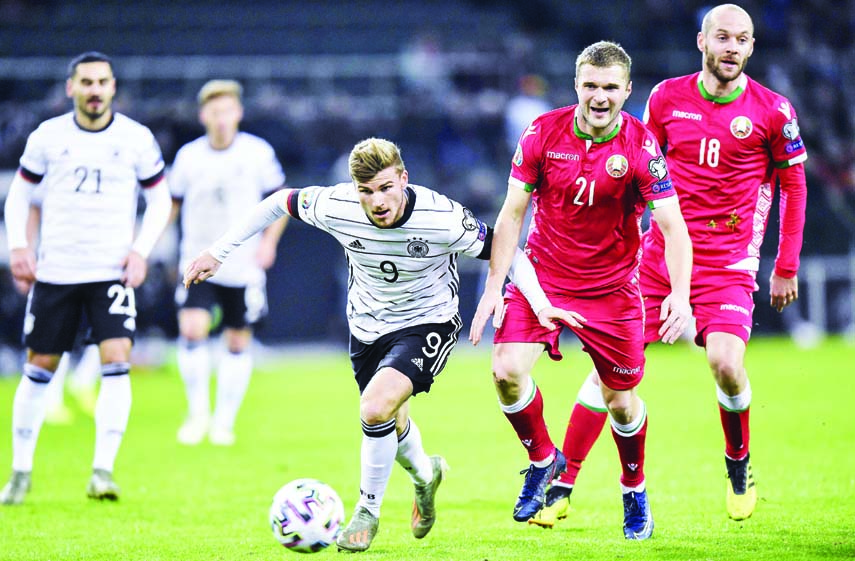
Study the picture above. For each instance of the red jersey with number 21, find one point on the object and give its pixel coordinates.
(588, 196)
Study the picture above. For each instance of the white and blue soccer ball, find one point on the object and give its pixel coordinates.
(306, 515)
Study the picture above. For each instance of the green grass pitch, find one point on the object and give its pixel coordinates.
(300, 419)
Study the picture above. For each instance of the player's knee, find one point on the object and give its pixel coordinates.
(619, 405)
(508, 370)
(374, 411)
(115, 350)
(726, 369)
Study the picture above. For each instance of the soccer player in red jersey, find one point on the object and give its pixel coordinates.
(589, 171)
(727, 140)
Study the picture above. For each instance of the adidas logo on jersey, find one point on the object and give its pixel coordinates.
(418, 362)
(356, 244)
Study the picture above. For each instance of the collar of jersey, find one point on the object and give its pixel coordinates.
(105, 127)
(408, 211)
(724, 99)
(585, 136)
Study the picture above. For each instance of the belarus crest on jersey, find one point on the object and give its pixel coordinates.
(741, 127)
(617, 166)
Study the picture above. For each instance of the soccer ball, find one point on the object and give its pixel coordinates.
(306, 515)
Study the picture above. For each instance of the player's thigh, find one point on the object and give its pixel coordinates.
(520, 340)
(52, 318)
(111, 310)
(722, 302)
(419, 353)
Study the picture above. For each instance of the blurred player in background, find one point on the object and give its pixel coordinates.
(589, 170)
(215, 181)
(727, 140)
(91, 162)
(402, 242)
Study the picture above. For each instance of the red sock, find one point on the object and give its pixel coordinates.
(736, 433)
(531, 429)
(631, 452)
(583, 430)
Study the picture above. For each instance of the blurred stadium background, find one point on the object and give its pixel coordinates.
(440, 78)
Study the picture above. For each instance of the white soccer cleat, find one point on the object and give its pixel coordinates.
(194, 430)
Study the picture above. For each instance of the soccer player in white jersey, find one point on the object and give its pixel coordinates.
(402, 242)
(91, 163)
(216, 180)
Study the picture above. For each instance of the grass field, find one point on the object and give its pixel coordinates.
(300, 419)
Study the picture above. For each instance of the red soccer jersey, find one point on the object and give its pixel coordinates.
(721, 153)
(587, 200)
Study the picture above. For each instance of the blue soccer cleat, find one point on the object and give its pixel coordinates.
(533, 494)
(637, 519)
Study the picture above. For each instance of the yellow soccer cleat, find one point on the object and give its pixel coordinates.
(741, 491)
(556, 507)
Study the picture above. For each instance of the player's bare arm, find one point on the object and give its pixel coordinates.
(676, 310)
(506, 235)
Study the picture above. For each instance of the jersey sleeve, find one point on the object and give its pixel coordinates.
(651, 174)
(467, 234)
(150, 165)
(309, 205)
(652, 114)
(34, 159)
(526, 163)
(785, 141)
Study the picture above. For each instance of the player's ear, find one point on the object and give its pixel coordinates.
(68, 86)
(628, 88)
(405, 176)
(701, 41)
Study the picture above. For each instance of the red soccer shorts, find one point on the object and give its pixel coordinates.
(613, 335)
(721, 299)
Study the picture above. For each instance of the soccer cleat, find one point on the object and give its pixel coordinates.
(101, 486)
(533, 492)
(16, 489)
(637, 519)
(194, 430)
(424, 509)
(556, 507)
(220, 436)
(741, 492)
(359, 533)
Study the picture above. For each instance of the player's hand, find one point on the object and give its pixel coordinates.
(134, 269)
(550, 314)
(675, 317)
(265, 257)
(783, 292)
(22, 287)
(201, 269)
(491, 304)
(22, 263)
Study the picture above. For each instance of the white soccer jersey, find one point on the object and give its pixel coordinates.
(89, 205)
(398, 277)
(217, 188)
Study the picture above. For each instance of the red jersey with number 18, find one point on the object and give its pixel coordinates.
(722, 152)
(588, 196)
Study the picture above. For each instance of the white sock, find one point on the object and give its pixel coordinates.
(54, 397)
(232, 380)
(111, 414)
(411, 455)
(379, 446)
(591, 395)
(194, 364)
(88, 369)
(28, 414)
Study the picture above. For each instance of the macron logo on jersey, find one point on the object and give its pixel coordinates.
(562, 156)
(686, 115)
(785, 109)
(529, 131)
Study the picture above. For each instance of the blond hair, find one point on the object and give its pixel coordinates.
(217, 88)
(603, 54)
(371, 156)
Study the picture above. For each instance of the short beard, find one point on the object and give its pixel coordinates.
(709, 62)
